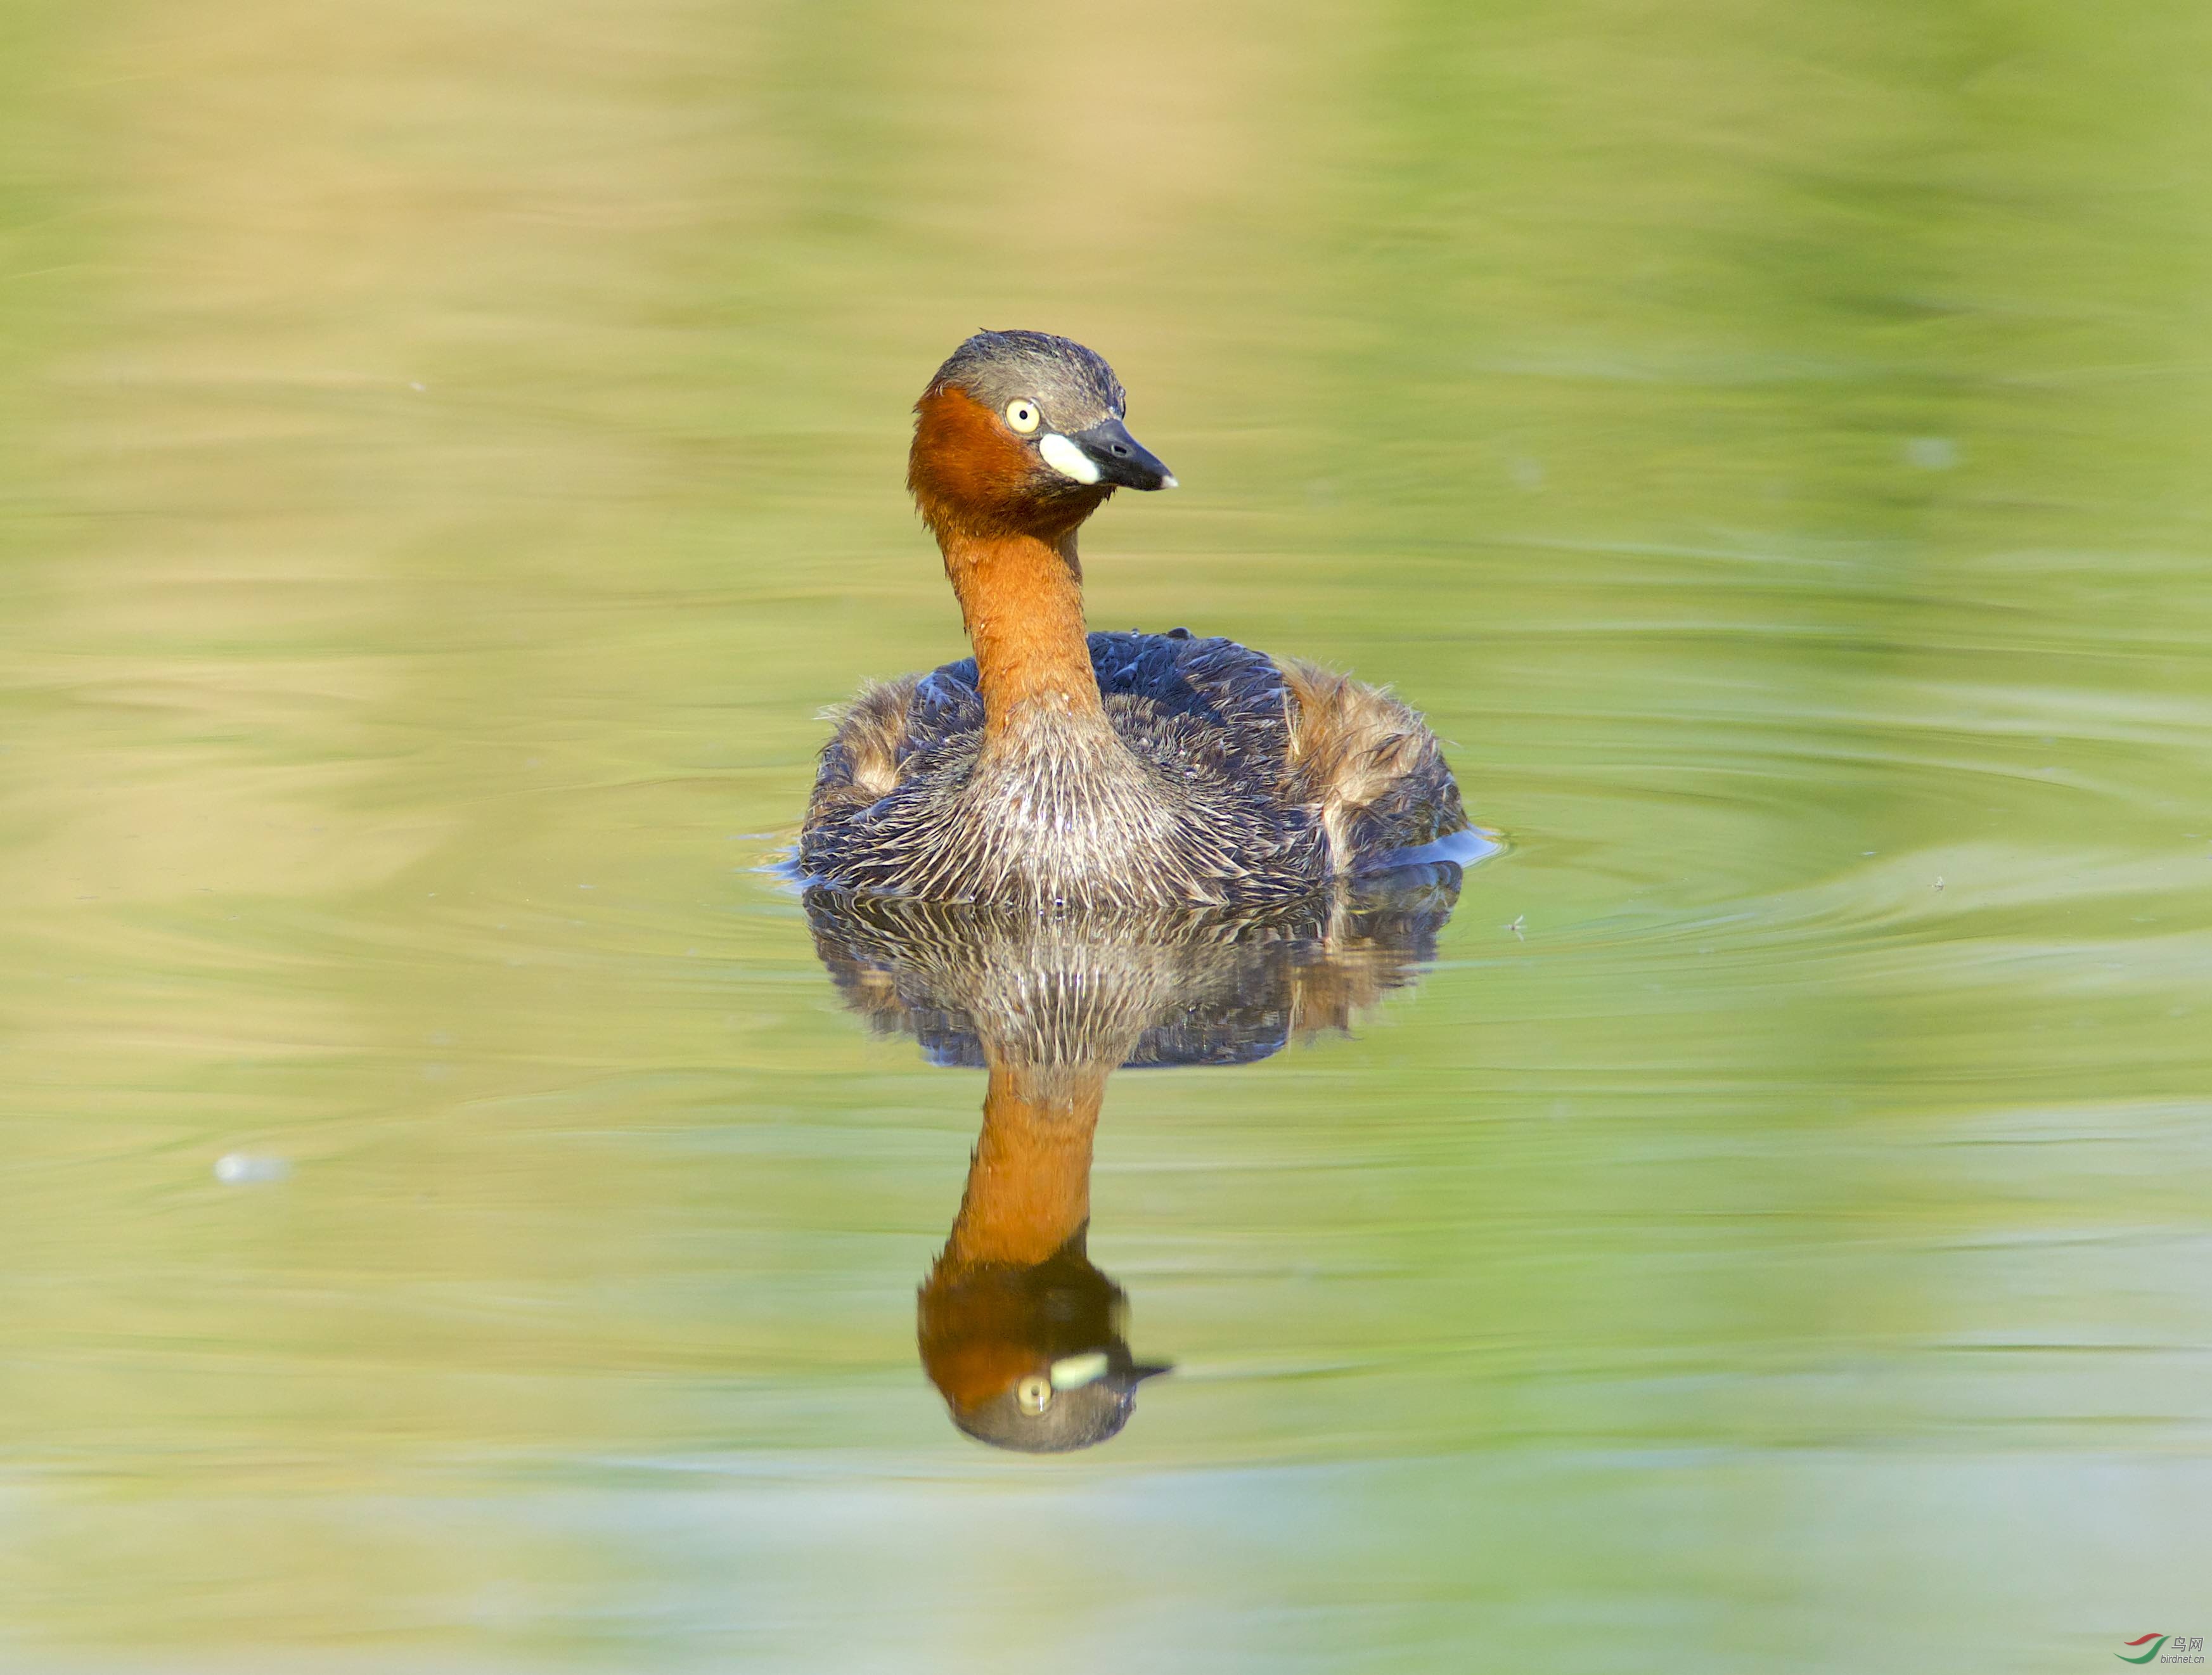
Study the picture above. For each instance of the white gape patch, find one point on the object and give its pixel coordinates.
(1077, 1370)
(1064, 457)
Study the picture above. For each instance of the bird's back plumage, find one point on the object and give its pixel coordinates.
(1227, 777)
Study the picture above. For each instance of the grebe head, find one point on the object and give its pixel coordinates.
(1030, 1357)
(1023, 431)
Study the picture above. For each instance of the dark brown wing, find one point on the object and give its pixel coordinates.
(1370, 765)
(885, 733)
(1318, 747)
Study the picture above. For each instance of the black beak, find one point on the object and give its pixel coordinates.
(1121, 459)
(1140, 1371)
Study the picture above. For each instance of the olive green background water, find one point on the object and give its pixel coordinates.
(453, 450)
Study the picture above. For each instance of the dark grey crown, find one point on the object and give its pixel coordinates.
(1077, 1419)
(1074, 386)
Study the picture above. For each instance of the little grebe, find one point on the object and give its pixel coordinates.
(1055, 765)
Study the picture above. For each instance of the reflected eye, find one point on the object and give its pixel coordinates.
(1034, 1393)
(1022, 413)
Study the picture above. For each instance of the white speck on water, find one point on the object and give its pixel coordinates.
(243, 1168)
(1931, 454)
(1939, 881)
(418, 388)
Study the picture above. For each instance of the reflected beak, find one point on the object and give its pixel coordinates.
(1121, 459)
(1073, 1372)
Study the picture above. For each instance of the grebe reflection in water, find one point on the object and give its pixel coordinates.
(1021, 1334)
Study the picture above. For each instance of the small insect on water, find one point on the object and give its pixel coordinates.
(241, 1169)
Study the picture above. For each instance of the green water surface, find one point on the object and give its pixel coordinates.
(450, 453)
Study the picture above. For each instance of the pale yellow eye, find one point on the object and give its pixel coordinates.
(1022, 413)
(1034, 1393)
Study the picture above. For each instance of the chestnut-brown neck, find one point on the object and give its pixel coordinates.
(1021, 598)
(1029, 1183)
(1007, 531)
(1028, 1200)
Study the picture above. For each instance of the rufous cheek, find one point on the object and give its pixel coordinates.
(962, 453)
(970, 1373)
